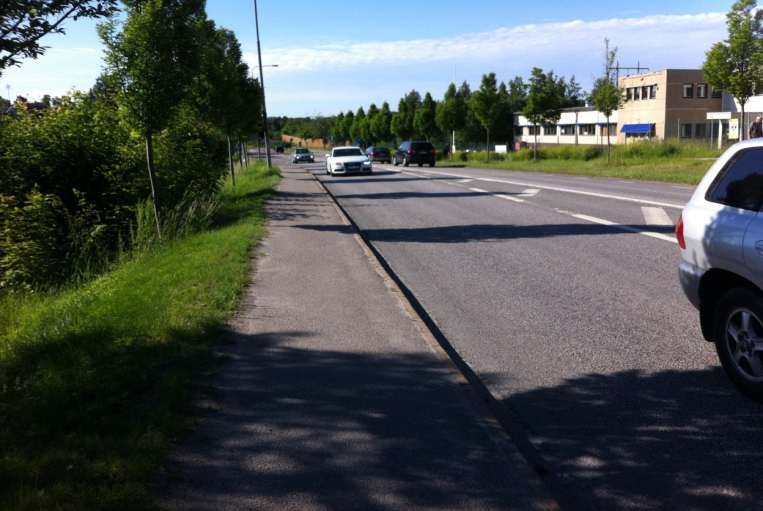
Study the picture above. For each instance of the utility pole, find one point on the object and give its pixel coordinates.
(262, 84)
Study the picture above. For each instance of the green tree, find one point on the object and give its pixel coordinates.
(504, 127)
(517, 94)
(451, 113)
(399, 125)
(154, 56)
(380, 126)
(358, 125)
(736, 64)
(544, 101)
(349, 121)
(606, 95)
(339, 134)
(24, 23)
(367, 129)
(486, 105)
(424, 121)
(573, 93)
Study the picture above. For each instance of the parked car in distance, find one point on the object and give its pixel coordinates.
(303, 155)
(380, 154)
(417, 152)
(347, 160)
(720, 233)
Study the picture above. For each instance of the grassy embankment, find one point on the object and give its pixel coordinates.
(669, 161)
(95, 380)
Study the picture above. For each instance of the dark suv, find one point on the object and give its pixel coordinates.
(380, 154)
(415, 152)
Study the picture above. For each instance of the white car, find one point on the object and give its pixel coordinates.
(347, 160)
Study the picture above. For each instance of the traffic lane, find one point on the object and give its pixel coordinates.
(677, 194)
(642, 216)
(585, 335)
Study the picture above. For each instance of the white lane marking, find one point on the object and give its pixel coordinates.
(530, 192)
(601, 221)
(656, 216)
(509, 197)
(478, 190)
(565, 190)
(465, 181)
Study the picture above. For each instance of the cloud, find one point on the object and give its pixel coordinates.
(667, 33)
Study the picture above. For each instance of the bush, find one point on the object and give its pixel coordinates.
(78, 171)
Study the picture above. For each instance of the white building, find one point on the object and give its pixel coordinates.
(583, 125)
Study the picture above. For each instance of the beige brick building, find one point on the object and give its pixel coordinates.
(666, 104)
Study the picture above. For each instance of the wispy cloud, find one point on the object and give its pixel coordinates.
(650, 33)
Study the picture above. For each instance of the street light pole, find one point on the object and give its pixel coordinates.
(262, 84)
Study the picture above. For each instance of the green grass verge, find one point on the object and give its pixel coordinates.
(675, 170)
(95, 381)
(670, 161)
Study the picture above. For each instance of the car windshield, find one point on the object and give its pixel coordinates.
(353, 151)
(421, 146)
(302, 151)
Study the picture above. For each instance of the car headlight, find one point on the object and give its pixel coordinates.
(339, 165)
(367, 163)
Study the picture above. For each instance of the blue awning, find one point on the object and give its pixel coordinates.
(636, 129)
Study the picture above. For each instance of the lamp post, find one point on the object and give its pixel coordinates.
(262, 84)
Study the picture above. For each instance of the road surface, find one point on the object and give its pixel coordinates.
(561, 294)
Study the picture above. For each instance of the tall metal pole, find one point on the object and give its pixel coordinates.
(262, 85)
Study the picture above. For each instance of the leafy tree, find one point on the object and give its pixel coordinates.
(358, 125)
(424, 121)
(504, 128)
(349, 120)
(606, 95)
(367, 129)
(517, 94)
(380, 125)
(451, 112)
(339, 134)
(23, 23)
(485, 103)
(544, 101)
(153, 56)
(736, 64)
(573, 93)
(399, 124)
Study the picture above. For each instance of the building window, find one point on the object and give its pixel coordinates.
(533, 130)
(686, 130)
(568, 130)
(629, 93)
(609, 131)
(637, 93)
(702, 90)
(549, 129)
(645, 92)
(652, 92)
(587, 130)
(688, 90)
(717, 93)
(700, 131)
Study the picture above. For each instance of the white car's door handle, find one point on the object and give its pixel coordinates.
(759, 247)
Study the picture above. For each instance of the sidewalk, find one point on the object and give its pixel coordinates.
(332, 398)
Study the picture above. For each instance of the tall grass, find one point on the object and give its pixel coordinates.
(95, 379)
(671, 160)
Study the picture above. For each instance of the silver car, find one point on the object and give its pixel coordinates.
(720, 233)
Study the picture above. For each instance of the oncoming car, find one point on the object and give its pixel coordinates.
(720, 233)
(347, 160)
(303, 155)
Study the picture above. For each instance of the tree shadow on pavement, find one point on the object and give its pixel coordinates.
(632, 440)
(301, 428)
(484, 232)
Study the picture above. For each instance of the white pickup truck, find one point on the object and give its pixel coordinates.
(347, 160)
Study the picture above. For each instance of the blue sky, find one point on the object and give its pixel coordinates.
(337, 55)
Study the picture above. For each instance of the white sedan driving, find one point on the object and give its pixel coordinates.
(347, 160)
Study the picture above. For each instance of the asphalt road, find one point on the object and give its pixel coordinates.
(561, 294)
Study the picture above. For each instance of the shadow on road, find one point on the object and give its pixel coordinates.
(304, 428)
(484, 232)
(631, 440)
